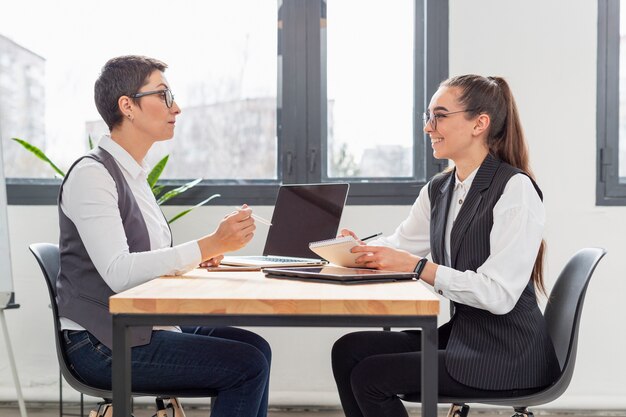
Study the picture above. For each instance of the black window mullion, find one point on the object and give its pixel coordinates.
(316, 89)
(435, 13)
(611, 150)
(292, 111)
(421, 170)
(609, 190)
(602, 119)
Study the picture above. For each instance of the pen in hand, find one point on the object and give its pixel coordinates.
(371, 236)
(258, 218)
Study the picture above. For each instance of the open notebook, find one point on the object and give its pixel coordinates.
(302, 214)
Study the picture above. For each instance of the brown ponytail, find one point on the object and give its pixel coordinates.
(505, 139)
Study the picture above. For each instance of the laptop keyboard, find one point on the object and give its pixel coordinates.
(284, 259)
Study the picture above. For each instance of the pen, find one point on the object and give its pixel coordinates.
(258, 218)
(369, 237)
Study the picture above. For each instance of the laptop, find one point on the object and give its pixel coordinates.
(303, 213)
(338, 275)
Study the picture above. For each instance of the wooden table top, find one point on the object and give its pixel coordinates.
(203, 292)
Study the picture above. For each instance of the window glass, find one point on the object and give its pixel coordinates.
(370, 88)
(222, 69)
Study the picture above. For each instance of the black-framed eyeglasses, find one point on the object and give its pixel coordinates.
(433, 117)
(165, 93)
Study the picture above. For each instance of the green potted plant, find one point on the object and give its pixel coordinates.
(153, 178)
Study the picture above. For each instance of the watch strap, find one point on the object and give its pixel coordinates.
(420, 267)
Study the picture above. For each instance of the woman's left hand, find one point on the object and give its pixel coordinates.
(214, 261)
(380, 257)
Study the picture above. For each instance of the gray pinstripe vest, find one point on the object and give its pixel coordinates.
(485, 350)
(82, 294)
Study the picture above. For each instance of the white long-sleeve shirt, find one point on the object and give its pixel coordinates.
(518, 222)
(90, 201)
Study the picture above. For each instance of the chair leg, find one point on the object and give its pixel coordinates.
(177, 407)
(161, 409)
(105, 409)
(458, 410)
(173, 404)
(522, 412)
(61, 394)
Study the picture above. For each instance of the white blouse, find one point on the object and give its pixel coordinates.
(518, 222)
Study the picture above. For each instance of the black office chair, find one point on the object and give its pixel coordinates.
(562, 314)
(47, 255)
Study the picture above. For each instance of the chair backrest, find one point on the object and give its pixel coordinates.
(48, 258)
(566, 300)
(562, 314)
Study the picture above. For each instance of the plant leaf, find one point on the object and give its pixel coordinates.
(156, 172)
(90, 142)
(173, 193)
(157, 189)
(39, 154)
(182, 213)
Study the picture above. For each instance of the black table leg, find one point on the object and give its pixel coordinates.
(121, 369)
(429, 369)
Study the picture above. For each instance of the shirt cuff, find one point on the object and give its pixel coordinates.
(443, 278)
(189, 256)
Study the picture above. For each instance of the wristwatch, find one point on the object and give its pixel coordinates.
(420, 267)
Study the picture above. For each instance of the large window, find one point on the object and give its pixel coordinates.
(370, 89)
(272, 92)
(222, 69)
(611, 116)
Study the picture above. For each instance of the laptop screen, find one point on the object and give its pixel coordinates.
(303, 214)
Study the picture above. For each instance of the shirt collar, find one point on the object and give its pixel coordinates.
(467, 183)
(123, 158)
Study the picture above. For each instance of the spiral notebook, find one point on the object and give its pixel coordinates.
(337, 250)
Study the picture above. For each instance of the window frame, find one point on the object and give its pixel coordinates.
(301, 116)
(609, 191)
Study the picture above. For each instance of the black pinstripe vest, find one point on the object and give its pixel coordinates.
(82, 294)
(485, 350)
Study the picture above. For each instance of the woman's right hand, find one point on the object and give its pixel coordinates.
(234, 232)
(348, 232)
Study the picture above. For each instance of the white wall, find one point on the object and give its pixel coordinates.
(547, 51)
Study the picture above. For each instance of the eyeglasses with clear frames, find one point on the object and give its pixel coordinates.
(432, 118)
(166, 93)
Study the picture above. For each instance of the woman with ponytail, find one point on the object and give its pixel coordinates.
(482, 223)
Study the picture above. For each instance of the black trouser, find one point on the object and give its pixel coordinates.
(371, 368)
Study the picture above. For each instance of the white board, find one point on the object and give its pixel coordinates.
(6, 280)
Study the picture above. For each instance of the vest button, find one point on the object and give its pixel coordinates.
(440, 292)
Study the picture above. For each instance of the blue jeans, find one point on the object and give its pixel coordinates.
(234, 362)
